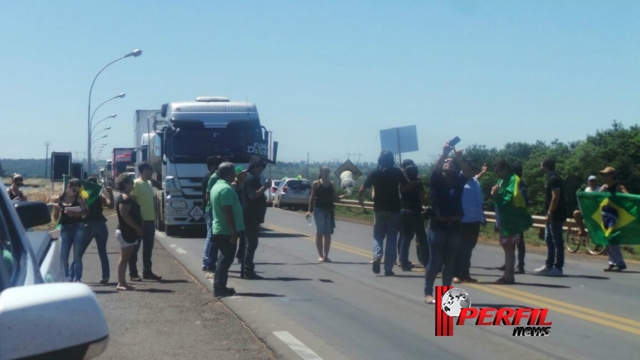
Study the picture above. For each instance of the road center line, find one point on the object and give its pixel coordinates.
(296, 345)
(594, 316)
(180, 251)
(173, 245)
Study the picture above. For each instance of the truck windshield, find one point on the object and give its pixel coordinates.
(196, 145)
(122, 165)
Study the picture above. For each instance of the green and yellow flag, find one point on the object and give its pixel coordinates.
(511, 207)
(90, 192)
(611, 219)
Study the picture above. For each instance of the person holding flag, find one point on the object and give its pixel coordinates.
(608, 215)
(512, 216)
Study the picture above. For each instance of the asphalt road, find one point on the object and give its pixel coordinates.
(341, 310)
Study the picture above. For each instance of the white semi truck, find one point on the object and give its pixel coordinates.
(179, 139)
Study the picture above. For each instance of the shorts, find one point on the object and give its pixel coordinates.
(123, 243)
(323, 221)
(510, 240)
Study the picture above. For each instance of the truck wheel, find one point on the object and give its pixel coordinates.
(159, 222)
(171, 230)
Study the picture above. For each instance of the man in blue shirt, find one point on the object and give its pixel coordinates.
(472, 206)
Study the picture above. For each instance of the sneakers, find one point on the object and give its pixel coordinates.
(616, 268)
(519, 269)
(223, 292)
(376, 266)
(252, 276)
(545, 271)
(151, 276)
(389, 273)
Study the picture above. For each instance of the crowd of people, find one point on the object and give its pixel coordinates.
(235, 206)
(453, 210)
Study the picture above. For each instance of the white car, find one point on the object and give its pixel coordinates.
(293, 193)
(40, 316)
(270, 193)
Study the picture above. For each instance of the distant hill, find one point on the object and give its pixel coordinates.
(29, 168)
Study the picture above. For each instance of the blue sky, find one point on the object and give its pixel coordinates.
(326, 76)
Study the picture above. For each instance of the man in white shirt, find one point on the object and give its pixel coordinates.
(592, 182)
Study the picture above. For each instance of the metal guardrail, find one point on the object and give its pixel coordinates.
(539, 222)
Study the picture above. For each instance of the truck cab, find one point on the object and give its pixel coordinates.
(187, 134)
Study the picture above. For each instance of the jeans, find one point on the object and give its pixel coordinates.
(210, 255)
(555, 244)
(147, 249)
(225, 259)
(251, 232)
(444, 242)
(411, 223)
(615, 255)
(72, 235)
(386, 224)
(97, 230)
(469, 239)
(521, 250)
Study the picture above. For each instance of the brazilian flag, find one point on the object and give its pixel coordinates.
(511, 206)
(611, 219)
(90, 192)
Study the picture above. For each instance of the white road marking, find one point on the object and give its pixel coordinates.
(180, 251)
(297, 346)
(173, 245)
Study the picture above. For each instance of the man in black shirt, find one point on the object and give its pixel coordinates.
(385, 180)
(254, 206)
(556, 207)
(445, 225)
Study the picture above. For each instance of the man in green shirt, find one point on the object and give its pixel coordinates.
(210, 254)
(227, 227)
(143, 194)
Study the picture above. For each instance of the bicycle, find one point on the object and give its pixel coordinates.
(574, 241)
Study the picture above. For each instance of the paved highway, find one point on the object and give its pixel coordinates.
(341, 310)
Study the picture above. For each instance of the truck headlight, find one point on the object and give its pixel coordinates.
(169, 183)
(179, 204)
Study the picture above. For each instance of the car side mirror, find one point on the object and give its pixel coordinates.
(51, 321)
(33, 213)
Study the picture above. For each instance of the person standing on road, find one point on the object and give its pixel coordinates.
(241, 175)
(616, 261)
(385, 181)
(411, 220)
(517, 169)
(96, 227)
(142, 193)
(472, 206)
(405, 163)
(228, 225)
(556, 206)
(577, 214)
(69, 210)
(321, 205)
(130, 227)
(445, 228)
(254, 206)
(14, 191)
(210, 253)
(512, 216)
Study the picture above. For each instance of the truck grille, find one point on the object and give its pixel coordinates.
(191, 188)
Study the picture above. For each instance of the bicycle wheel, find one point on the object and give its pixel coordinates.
(572, 241)
(594, 249)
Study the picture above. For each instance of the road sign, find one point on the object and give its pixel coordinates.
(348, 166)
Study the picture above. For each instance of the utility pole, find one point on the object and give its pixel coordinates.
(46, 158)
(307, 165)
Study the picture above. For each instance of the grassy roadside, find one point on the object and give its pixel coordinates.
(487, 234)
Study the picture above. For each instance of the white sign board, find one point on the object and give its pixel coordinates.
(399, 140)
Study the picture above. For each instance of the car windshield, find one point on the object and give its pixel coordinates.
(196, 145)
(298, 185)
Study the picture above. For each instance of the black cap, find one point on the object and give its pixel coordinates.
(407, 162)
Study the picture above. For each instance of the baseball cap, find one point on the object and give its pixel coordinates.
(591, 178)
(407, 162)
(239, 169)
(608, 170)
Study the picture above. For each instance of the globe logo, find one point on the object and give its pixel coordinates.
(454, 300)
(609, 216)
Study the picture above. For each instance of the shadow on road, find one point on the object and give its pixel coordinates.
(98, 292)
(283, 279)
(177, 281)
(406, 276)
(278, 235)
(154, 291)
(259, 295)
(551, 286)
(593, 277)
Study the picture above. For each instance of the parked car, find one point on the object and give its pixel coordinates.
(40, 316)
(270, 193)
(293, 193)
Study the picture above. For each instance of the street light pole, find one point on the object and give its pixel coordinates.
(102, 137)
(134, 53)
(46, 158)
(98, 123)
